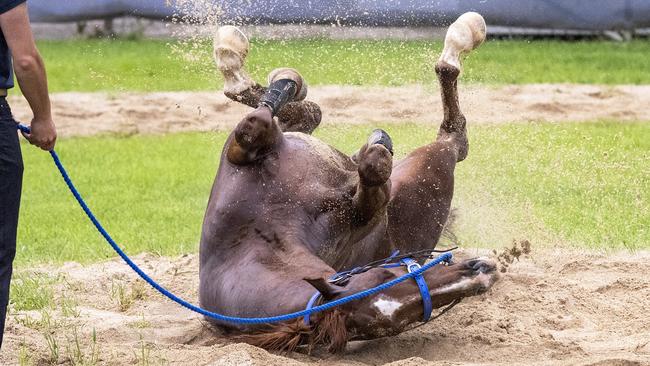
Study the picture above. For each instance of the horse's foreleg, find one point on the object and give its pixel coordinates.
(423, 183)
(258, 133)
(230, 50)
(375, 163)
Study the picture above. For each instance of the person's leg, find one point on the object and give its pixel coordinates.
(11, 175)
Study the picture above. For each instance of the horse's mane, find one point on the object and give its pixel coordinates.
(329, 330)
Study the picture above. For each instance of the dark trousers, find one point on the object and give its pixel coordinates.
(11, 178)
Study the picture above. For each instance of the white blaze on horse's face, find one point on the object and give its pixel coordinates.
(463, 285)
(464, 35)
(387, 306)
(480, 280)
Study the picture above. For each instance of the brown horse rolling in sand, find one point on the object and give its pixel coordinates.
(287, 211)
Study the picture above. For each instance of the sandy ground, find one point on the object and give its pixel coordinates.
(132, 113)
(558, 307)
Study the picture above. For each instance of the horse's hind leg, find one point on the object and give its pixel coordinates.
(230, 50)
(423, 183)
(464, 35)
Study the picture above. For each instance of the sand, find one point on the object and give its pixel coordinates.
(134, 113)
(551, 307)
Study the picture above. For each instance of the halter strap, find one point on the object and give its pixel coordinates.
(310, 304)
(411, 266)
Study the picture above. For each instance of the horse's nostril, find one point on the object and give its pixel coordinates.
(481, 265)
(484, 267)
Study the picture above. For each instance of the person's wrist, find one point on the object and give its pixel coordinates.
(42, 119)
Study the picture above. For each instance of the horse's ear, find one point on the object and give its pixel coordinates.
(325, 288)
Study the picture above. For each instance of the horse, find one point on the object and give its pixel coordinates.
(287, 211)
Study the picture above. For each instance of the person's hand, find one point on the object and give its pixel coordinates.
(43, 134)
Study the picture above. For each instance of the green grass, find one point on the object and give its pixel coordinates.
(32, 291)
(581, 184)
(584, 184)
(155, 65)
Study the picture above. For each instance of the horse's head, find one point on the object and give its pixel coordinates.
(390, 312)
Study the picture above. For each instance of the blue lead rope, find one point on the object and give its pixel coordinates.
(445, 257)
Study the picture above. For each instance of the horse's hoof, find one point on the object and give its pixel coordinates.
(474, 28)
(463, 36)
(230, 51)
(381, 137)
(291, 74)
(230, 48)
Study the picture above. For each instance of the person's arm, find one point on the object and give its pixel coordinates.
(30, 73)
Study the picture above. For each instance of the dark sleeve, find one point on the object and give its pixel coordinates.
(6, 5)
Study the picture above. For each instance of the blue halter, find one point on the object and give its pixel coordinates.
(411, 266)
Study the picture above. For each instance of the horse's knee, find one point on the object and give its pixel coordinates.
(454, 145)
(255, 130)
(375, 159)
(375, 165)
(254, 136)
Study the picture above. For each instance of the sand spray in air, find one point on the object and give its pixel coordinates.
(375, 55)
(194, 24)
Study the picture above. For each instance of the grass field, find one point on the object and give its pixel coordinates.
(152, 65)
(586, 185)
